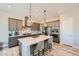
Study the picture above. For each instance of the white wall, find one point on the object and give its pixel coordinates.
(4, 25)
(73, 27)
(76, 31)
(66, 30)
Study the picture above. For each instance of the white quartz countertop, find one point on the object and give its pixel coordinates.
(31, 40)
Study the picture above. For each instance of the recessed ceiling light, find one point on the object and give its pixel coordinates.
(9, 6)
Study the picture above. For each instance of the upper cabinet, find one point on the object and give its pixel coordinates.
(35, 27)
(19, 25)
(14, 24)
(54, 24)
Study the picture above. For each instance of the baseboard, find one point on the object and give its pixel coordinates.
(71, 46)
(75, 47)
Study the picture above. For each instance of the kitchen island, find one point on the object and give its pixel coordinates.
(13, 40)
(25, 43)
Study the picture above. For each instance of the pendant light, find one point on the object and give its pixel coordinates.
(45, 25)
(29, 23)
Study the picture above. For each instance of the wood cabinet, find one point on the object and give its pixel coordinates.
(19, 25)
(35, 27)
(15, 24)
(13, 41)
(54, 24)
(12, 24)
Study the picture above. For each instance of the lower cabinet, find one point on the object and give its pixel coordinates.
(13, 41)
(56, 38)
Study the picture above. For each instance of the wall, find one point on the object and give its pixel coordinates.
(66, 30)
(74, 30)
(4, 25)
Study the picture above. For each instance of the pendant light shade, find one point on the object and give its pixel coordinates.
(45, 25)
(29, 22)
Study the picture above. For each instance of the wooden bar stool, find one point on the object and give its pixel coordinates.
(45, 45)
(40, 48)
(50, 43)
(34, 50)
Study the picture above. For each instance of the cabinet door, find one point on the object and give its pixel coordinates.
(12, 24)
(19, 24)
(13, 41)
(35, 27)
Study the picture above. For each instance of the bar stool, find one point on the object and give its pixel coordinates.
(40, 48)
(50, 43)
(33, 49)
(45, 45)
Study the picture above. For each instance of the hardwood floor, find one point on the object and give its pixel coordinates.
(63, 50)
(57, 50)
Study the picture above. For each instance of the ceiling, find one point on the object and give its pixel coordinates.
(52, 9)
